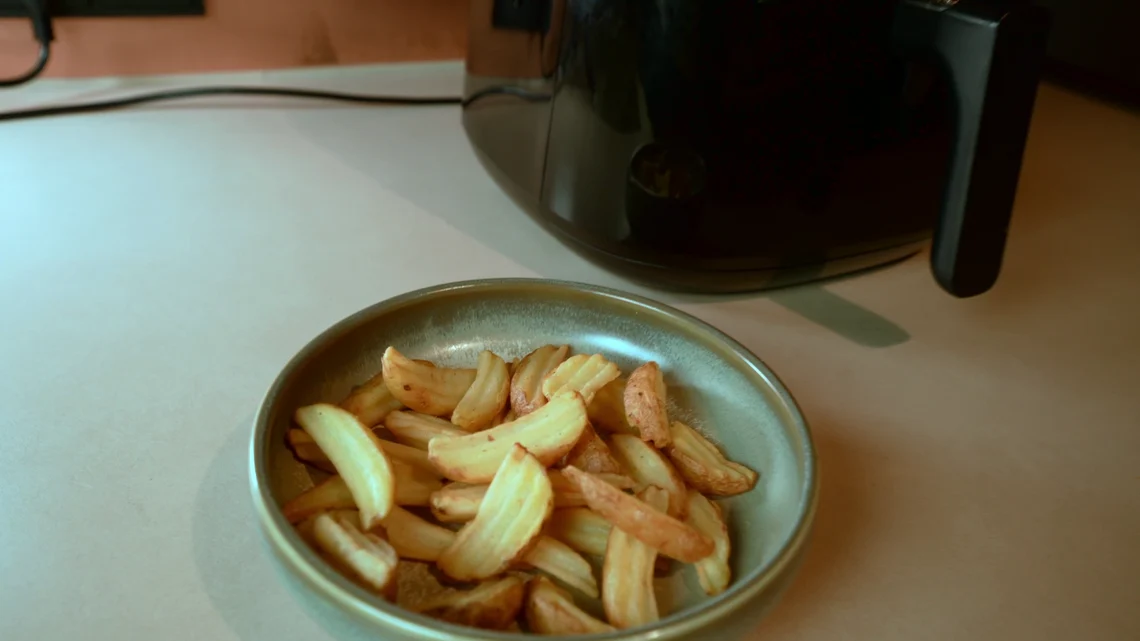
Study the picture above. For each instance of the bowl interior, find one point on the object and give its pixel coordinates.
(714, 385)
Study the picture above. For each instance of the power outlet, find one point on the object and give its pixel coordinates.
(523, 15)
(63, 8)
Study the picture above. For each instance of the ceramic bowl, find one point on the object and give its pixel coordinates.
(714, 383)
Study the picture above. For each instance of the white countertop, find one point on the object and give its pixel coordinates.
(158, 266)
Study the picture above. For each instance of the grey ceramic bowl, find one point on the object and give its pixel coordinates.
(714, 382)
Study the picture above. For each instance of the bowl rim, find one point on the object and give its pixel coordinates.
(303, 563)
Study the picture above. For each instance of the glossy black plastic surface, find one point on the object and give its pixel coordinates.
(738, 144)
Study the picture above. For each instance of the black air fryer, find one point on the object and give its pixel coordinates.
(732, 145)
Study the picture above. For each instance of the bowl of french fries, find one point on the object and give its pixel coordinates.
(489, 459)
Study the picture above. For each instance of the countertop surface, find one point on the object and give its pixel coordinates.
(981, 457)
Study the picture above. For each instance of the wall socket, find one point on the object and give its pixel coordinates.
(66, 8)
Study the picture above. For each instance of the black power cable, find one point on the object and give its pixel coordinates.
(285, 92)
(41, 29)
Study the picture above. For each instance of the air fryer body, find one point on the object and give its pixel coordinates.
(715, 146)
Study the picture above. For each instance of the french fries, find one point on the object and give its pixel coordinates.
(645, 404)
(485, 399)
(581, 373)
(356, 454)
(493, 605)
(666, 534)
(627, 573)
(508, 523)
(550, 610)
(713, 571)
(607, 409)
(457, 502)
(592, 454)
(535, 493)
(526, 382)
(648, 466)
(306, 450)
(371, 560)
(581, 528)
(561, 562)
(417, 430)
(704, 467)
(423, 387)
(415, 538)
(548, 434)
(371, 401)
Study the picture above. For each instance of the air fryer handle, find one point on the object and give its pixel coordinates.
(991, 52)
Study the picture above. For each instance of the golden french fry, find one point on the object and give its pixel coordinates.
(561, 562)
(704, 467)
(306, 450)
(357, 456)
(425, 388)
(368, 556)
(508, 523)
(712, 571)
(666, 534)
(567, 494)
(410, 455)
(457, 502)
(581, 373)
(593, 455)
(415, 538)
(645, 404)
(548, 434)
(332, 494)
(492, 605)
(627, 573)
(526, 381)
(550, 610)
(607, 409)
(581, 528)
(648, 466)
(414, 484)
(416, 430)
(371, 401)
(485, 399)
(507, 416)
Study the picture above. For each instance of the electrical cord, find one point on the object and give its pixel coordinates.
(285, 92)
(41, 29)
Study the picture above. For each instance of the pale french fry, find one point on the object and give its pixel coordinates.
(592, 454)
(485, 399)
(368, 556)
(581, 373)
(703, 466)
(371, 401)
(332, 494)
(548, 434)
(666, 534)
(410, 455)
(567, 494)
(607, 409)
(416, 430)
(561, 562)
(581, 528)
(627, 573)
(645, 404)
(507, 416)
(508, 523)
(357, 456)
(458, 502)
(713, 571)
(526, 381)
(415, 538)
(425, 388)
(648, 466)
(414, 484)
(306, 450)
(492, 605)
(550, 610)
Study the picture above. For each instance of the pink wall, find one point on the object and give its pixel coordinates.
(245, 34)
